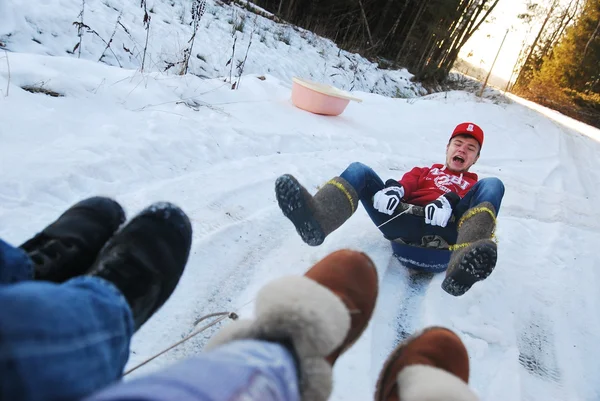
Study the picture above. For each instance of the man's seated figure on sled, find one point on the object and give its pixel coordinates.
(444, 190)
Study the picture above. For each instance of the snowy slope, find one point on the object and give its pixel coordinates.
(531, 328)
(224, 33)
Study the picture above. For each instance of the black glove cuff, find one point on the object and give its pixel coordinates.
(392, 183)
(452, 198)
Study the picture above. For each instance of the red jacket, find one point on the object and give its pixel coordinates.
(425, 184)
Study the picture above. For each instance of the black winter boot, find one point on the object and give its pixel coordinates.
(68, 247)
(146, 258)
(474, 255)
(315, 217)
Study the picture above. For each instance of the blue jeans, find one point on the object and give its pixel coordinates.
(70, 341)
(15, 265)
(243, 370)
(409, 227)
(58, 341)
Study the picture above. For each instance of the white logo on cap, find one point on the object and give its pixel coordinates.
(470, 128)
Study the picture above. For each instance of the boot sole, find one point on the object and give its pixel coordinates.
(294, 207)
(475, 266)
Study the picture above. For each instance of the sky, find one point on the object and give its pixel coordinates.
(485, 42)
(141, 137)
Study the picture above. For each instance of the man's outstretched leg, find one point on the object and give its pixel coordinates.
(315, 217)
(301, 326)
(15, 265)
(475, 254)
(64, 341)
(432, 365)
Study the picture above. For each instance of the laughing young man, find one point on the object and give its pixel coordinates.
(444, 190)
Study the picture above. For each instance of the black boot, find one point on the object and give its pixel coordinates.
(68, 247)
(474, 256)
(146, 258)
(315, 217)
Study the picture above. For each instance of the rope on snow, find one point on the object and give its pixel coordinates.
(223, 316)
(395, 217)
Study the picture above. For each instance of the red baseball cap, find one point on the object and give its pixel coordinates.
(469, 129)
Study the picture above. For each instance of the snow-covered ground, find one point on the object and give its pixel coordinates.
(531, 329)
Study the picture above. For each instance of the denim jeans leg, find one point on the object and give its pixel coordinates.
(61, 341)
(367, 183)
(485, 190)
(249, 370)
(15, 265)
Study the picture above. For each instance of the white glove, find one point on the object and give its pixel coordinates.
(438, 212)
(387, 200)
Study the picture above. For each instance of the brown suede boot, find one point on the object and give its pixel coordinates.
(430, 366)
(353, 278)
(475, 253)
(320, 315)
(315, 217)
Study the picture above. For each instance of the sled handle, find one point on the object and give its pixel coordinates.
(407, 208)
(415, 210)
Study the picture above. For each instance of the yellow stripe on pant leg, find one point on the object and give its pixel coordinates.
(473, 211)
(344, 190)
(470, 213)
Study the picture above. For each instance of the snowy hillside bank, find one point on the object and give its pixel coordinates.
(51, 28)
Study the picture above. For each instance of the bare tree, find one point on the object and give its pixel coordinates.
(8, 81)
(198, 8)
(147, 28)
(592, 37)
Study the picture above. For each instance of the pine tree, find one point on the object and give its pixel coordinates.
(569, 78)
(424, 36)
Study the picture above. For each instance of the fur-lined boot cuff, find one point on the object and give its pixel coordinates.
(306, 314)
(428, 383)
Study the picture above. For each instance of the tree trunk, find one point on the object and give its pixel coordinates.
(414, 23)
(290, 9)
(392, 31)
(428, 50)
(382, 17)
(464, 21)
(362, 11)
(449, 63)
(591, 38)
(447, 41)
(565, 20)
(520, 77)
